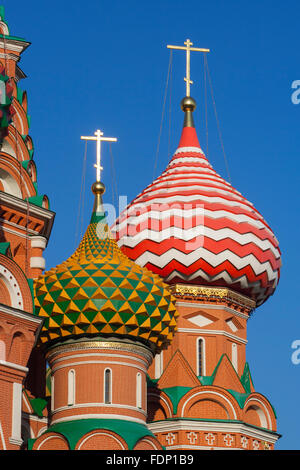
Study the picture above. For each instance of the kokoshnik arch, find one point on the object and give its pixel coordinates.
(144, 327)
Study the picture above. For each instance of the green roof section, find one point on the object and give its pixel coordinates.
(2, 14)
(14, 38)
(175, 394)
(246, 378)
(20, 96)
(73, 431)
(36, 200)
(5, 249)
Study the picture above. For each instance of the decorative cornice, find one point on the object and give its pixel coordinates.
(203, 292)
(110, 345)
(20, 205)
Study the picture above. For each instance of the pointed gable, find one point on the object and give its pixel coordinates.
(225, 376)
(178, 371)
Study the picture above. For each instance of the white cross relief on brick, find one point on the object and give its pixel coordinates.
(244, 442)
(192, 437)
(210, 438)
(255, 445)
(228, 439)
(170, 438)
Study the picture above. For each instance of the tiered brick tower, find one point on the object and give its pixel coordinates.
(26, 223)
(221, 260)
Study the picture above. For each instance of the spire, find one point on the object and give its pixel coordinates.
(188, 104)
(98, 187)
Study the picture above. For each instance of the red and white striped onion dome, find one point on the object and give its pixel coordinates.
(191, 226)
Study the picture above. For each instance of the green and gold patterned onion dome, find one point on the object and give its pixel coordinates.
(99, 291)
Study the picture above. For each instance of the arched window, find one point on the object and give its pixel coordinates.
(107, 386)
(71, 387)
(139, 390)
(200, 356)
(234, 356)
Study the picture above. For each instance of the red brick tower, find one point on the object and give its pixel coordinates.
(221, 260)
(25, 226)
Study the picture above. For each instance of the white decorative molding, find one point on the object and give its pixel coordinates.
(210, 392)
(211, 307)
(16, 414)
(14, 366)
(101, 434)
(83, 363)
(212, 332)
(213, 426)
(38, 242)
(98, 405)
(98, 416)
(2, 437)
(12, 286)
(37, 262)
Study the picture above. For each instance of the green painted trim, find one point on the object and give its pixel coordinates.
(240, 397)
(29, 120)
(73, 431)
(2, 13)
(98, 217)
(30, 283)
(14, 38)
(5, 248)
(20, 94)
(36, 200)
(175, 394)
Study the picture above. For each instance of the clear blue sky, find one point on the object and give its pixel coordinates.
(100, 64)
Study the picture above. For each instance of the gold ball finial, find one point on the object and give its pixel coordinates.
(188, 104)
(98, 188)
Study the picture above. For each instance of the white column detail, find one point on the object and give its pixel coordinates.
(234, 356)
(71, 387)
(139, 390)
(16, 412)
(52, 393)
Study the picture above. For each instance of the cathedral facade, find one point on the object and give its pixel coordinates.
(138, 340)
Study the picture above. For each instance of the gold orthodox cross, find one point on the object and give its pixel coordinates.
(99, 138)
(188, 50)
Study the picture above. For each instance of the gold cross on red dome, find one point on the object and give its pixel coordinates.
(188, 50)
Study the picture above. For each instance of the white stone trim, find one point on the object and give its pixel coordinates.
(248, 401)
(161, 398)
(12, 286)
(213, 426)
(212, 307)
(98, 405)
(2, 437)
(20, 314)
(14, 366)
(71, 387)
(16, 413)
(209, 392)
(83, 363)
(123, 356)
(38, 242)
(103, 433)
(37, 262)
(51, 437)
(212, 332)
(99, 416)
